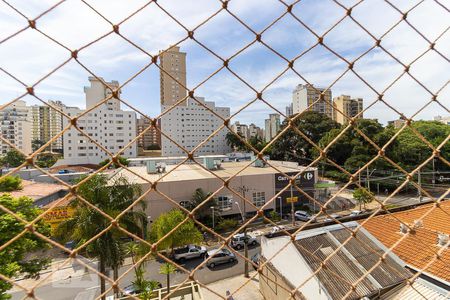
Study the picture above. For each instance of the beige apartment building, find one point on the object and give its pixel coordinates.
(47, 123)
(305, 96)
(271, 127)
(346, 107)
(15, 127)
(173, 65)
(151, 137)
(258, 183)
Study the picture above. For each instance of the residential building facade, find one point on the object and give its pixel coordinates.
(192, 124)
(106, 124)
(445, 120)
(151, 137)
(15, 127)
(241, 129)
(289, 110)
(272, 126)
(346, 107)
(47, 123)
(172, 76)
(306, 97)
(255, 131)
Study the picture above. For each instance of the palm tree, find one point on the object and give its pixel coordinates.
(197, 198)
(112, 197)
(167, 269)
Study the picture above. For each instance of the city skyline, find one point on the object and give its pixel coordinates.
(319, 66)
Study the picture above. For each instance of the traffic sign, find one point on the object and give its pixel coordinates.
(292, 199)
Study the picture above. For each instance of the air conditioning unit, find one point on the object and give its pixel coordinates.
(403, 228)
(151, 167)
(443, 239)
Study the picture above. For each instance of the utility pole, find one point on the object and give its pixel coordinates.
(419, 190)
(367, 180)
(359, 176)
(434, 178)
(292, 208)
(243, 189)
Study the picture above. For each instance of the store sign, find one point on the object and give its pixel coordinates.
(306, 179)
(58, 214)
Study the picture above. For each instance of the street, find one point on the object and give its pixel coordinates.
(87, 287)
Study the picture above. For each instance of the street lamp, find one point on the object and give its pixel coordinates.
(245, 240)
(212, 208)
(368, 176)
(281, 207)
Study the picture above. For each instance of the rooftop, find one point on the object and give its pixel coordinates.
(417, 249)
(195, 172)
(354, 259)
(37, 190)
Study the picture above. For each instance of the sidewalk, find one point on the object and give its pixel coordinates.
(248, 291)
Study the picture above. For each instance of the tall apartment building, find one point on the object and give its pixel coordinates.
(47, 123)
(289, 110)
(190, 125)
(151, 137)
(173, 66)
(345, 108)
(107, 124)
(272, 126)
(305, 95)
(241, 129)
(15, 127)
(255, 131)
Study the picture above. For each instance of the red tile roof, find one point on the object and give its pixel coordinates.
(420, 247)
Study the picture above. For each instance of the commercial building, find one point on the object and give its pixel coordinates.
(47, 123)
(191, 124)
(172, 76)
(445, 120)
(15, 126)
(306, 97)
(259, 184)
(151, 137)
(300, 265)
(397, 123)
(346, 107)
(106, 124)
(272, 126)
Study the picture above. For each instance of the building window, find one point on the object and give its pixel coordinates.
(225, 202)
(259, 198)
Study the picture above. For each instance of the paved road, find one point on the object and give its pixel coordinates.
(87, 287)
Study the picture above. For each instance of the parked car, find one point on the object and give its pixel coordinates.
(64, 171)
(238, 240)
(255, 260)
(219, 256)
(189, 252)
(332, 217)
(276, 229)
(304, 216)
(133, 290)
(355, 213)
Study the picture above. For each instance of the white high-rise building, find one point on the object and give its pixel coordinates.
(306, 97)
(189, 125)
(15, 127)
(107, 124)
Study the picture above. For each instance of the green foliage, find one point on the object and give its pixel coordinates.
(291, 146)
(167, 269)
(227, 224)
(46, 160)
(205, 210)
(235, 141)
(12, 258)
(10, 183)
(36, 144)
(12, 159)
(112, 197)
(122, 161)
(187, 233)
(363, 196)
(274, 216)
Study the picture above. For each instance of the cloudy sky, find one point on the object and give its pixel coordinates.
(30, 55)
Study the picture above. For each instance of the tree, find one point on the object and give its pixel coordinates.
(10, 183)
(205, 210)
(363, 196)
(13, 158)
(36, 144)
(291, 146)
(235, 142)
(13, 257)
(167, 269)
(46, 160)
(185, 234)
(111, 197)
(122, 160)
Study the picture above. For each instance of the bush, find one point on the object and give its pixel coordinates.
(274, 216)
(122, 160)
(337, 175)
(227, 224)
(10, 183)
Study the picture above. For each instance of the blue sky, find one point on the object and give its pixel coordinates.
(29, 55)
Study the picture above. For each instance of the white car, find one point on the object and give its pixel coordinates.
(238, 240)
(355, 213)
(276, 229)
(304, 216)
(332, 217)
